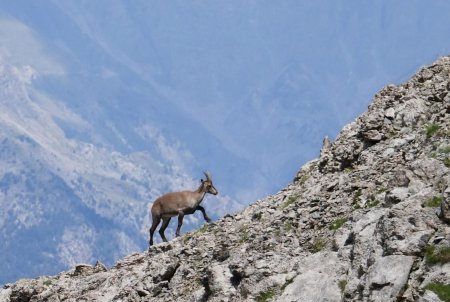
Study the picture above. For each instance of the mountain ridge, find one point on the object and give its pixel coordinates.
(363, 222)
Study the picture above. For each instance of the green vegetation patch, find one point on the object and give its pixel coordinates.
(432, 129)
(435, 255)
(441, 290)
(318, 245)
(342, 284)
(202, 230)
(244, 235)
(372, 203)
(337, 224)
(266, 296)
(356, 200)
(187, 237)
(288, 226)
(443, 154)
(381, 190)
(292, 199)
(271, 292)
(447, 162)
(303, 179)
(47, 282)
(444, 150)
(433, 202)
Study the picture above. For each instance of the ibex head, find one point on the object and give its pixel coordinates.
(208, 184)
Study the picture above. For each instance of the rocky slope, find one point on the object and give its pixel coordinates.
(366, 221)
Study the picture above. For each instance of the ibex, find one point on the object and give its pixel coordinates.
(179, 204)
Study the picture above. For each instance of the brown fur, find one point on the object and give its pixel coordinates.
(179, 204)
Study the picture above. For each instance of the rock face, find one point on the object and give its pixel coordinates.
(366, 221)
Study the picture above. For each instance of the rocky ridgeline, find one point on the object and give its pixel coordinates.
(366, 221)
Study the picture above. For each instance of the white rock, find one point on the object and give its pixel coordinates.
(318, 280)
(388, 276)
(390, 113)
(429, 296)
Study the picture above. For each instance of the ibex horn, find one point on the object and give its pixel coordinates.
(208, 176)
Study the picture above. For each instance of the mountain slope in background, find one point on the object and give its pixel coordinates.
(61, 197)
(359, 223)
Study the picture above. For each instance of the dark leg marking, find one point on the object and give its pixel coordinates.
(180, 222)
(202, 209)
(163, 228)
(155, 221)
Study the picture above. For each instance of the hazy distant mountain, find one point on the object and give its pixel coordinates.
(63, 200)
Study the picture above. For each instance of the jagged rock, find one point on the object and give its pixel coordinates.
(355, 225)
(396, 195)
(444, 213)
(388, 277)
(390, 113)
(318, 279)
(429, 296)
(84, 270)
(399, 179)
(220, 277)
(326, 144)
(373, 136)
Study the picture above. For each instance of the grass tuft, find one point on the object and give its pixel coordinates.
(381, 190)
(372, 203)
(318, 245)
(447, 162)
(292, 199)
(435, 255)
(444, 150)
(432, 129)
(288, 226)
(202, 230)
(266, 296)
(441, 290)
(337, 224)
(243, 236)
(342, 284)
(357, 200)
(433, 202)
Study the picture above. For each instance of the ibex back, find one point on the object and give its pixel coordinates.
(179, 204)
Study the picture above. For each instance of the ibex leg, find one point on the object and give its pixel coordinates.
(163, 228)
(180, 222)
(202, 209)
(155, 221)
